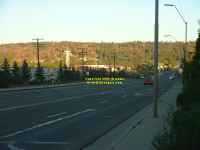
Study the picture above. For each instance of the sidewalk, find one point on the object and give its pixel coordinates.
(40, 86)
(138, 132)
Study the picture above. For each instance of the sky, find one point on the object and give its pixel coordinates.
(95, 20)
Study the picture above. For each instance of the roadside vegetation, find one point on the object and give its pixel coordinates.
(15, 75)
(183, 132)
(23, 75)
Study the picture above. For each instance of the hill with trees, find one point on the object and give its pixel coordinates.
(127, 54)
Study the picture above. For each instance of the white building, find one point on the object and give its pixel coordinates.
(68, 55)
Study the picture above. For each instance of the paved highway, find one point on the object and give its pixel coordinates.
(69, 118)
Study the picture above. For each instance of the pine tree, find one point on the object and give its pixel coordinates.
(39, 74)
(3, 82)
(196, 58)
(65, 73)
(16, 77)
(25, 72)
(6, 72)
(191, 79)
(60, 73)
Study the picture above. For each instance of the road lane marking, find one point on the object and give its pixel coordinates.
(124, 96)
(11, 146)
(46, 123)
(138, 94)
(103, 102)
(55, 115)
(55, 143)
(108, 117)
(50, 102)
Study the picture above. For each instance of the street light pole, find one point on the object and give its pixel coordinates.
(185, 47)
(156, 43)
(186, 29)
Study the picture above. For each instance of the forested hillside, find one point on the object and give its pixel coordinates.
(128, 54)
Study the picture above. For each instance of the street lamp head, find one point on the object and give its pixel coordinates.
(169, 5)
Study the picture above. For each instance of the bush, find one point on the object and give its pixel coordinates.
(39, 75)
(25, 72)
(3, 83)
(183, 132)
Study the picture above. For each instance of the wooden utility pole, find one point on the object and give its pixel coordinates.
(38, 50)
(82, 54)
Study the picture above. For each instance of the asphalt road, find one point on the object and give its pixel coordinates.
(69, 118)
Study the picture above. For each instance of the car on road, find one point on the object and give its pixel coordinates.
(172, 77)
(148, 81)
(141, 76)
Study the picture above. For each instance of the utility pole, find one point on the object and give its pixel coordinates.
(145, 56)
(38, 50)
(114, 61)
(185, 47)
(156, 43)
(82, 54)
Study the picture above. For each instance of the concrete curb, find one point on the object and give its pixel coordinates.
(40, 87)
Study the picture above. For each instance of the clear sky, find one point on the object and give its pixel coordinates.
(94, 20)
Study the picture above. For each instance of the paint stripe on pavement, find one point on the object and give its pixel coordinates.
(46, 123)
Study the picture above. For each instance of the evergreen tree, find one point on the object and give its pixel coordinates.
(6, 72)
(3, 82)
(66, 73)
(25, 71)
(16, 77)
(196, 58)
(191, 78)
(39, 74)
(60, 73)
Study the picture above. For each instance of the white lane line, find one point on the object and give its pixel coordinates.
(46, 123)
(54, 143)
(50, 102)
(11, 146)
(124, 96)
(6, 142)
(103, 102)
(55, 115)
(138, 94)
(108, 117)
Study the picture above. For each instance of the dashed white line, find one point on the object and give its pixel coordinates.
(138, 94)
(56, 115)
(11, 146)
(50, 102)
(46, 123)
(124, 96)
(108, 117)
(103, 102)
(55, 143)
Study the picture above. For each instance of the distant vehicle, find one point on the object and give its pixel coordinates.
(141, 76)
(148, 81)
(172, 77)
